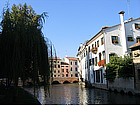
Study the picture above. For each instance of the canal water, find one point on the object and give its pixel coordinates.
(75, 94)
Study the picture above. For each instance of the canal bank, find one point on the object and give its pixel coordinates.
(119, 85)
(16, 96)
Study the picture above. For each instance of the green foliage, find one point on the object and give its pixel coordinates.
(23, 48)
(125, 67)
(119, 67)
(111, 68)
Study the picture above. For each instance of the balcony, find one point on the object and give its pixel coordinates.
(102, 63)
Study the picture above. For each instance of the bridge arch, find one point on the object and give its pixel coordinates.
(55, 82)
(66, 82)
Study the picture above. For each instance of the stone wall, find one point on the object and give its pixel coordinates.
(121, 84)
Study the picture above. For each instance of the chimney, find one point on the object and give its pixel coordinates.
(122, 16)
(123, 35)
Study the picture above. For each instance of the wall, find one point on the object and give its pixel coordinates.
(122, 84)
(109, 46)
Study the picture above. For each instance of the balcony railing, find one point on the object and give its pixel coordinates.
(102, 63)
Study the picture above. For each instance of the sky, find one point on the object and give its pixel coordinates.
(71, 22)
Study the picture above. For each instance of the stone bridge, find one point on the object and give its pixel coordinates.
(63, 80)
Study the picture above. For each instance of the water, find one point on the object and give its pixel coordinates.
(74, 94)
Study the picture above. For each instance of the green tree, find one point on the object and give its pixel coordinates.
(121, 67)
(23, 48)
(126, 67)
(111, 69)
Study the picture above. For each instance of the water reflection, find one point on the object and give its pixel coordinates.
(83, 98)
(74, 94)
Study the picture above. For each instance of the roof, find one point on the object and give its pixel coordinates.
(72, 58)
(135, 45)
(109, 27)
(64, 63)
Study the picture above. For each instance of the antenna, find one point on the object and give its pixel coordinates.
(128, 7)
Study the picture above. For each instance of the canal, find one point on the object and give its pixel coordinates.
(74, 94)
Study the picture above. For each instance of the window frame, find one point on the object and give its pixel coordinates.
(115, 39)
(130, 40)
(137, 26)
(137, 39)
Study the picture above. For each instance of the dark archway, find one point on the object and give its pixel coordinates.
(66, 82)
(55, 82)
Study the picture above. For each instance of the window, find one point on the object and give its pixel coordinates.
(71, 75)
(102, 41)
(98, 76)
(62, 70)
(66, 75)
(103, 54)
(114, 39)
(100, 56)
(67, 70)
(62, 75)
(58, 71)
(55, 66)
(137, 26)
(54, 75)
(138, 39)
(89, 49)
(71, 69)
(95, 44)
(130, 38)
(98, 43)
(58, 66)
(90, 62)
(75, 69)
(75, 63)
(54, 71)
(76, 75)
(71, 63)
(95, 61)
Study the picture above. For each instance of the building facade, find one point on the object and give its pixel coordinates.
(73, 64)
(95, 53)
(64, 69)
(136, 60)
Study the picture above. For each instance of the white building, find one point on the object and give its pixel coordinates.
(72, 61)
(96, 52)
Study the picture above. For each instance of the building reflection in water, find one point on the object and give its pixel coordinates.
(97, 96)
(74, 94)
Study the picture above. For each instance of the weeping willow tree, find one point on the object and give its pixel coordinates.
(23, 48)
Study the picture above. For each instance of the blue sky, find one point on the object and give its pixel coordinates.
(72, 22)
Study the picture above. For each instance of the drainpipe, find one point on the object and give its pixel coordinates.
(123, 34)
